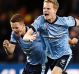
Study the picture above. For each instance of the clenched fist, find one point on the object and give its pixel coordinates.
(73, 41)
(9, 48)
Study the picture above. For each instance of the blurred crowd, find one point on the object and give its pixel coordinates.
(30, 10)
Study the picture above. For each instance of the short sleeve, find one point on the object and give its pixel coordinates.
(37, 23)
(32, 28)
(70, 21)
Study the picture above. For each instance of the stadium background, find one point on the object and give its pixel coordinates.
(31, 9)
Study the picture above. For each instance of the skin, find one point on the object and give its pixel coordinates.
(49, 12)
(18, 28)
(9, 48)
(73, 41)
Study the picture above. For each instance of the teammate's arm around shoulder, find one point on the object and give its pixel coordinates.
(8, 47)
(29, 36)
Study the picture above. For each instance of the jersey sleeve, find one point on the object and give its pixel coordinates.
(37, 23)
(70, 21)
(32, 28)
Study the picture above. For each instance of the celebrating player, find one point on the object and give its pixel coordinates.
(34, 50)
(54, 30)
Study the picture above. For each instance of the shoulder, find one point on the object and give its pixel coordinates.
(69, 20)
(65, 18)
(40, 19)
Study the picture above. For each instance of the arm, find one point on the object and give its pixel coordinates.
(33, 29)
(29, 36)
(10, 46)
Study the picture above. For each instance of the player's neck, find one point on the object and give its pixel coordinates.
(24, 30)
(52, 20)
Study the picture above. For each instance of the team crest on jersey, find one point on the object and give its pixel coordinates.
(62, 62)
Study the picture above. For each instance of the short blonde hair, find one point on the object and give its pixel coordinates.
(54, 2)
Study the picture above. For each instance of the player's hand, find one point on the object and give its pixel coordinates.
(6, 44)
(73, 41)
(33, 37)
(9, 48)
(29, 37)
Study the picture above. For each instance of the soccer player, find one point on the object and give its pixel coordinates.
(34, 50)
(54, 30)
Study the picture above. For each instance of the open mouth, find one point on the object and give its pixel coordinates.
(46, 14)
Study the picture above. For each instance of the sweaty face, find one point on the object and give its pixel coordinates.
(17, 27)
(49, 11)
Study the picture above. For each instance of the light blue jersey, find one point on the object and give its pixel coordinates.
(35, 50)
(55, 35)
